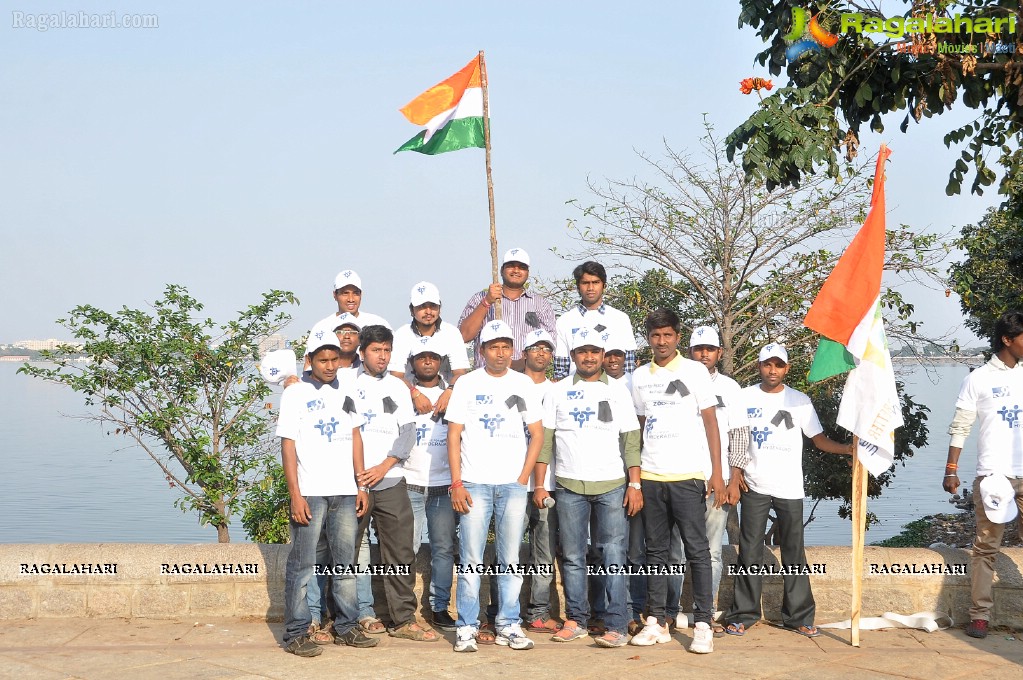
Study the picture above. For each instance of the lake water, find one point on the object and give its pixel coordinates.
(68, 481)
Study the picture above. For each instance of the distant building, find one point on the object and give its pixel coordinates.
(272, 342)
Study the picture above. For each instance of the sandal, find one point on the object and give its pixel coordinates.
(596, 627)
(485, 635)
(321, 635)
(806, 631)
(413, 630)
(718, 629)
(372, 625)
(736, 629)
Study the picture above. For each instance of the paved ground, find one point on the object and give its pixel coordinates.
(229, 648)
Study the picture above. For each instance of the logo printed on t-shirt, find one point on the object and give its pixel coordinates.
(754, 412)
(369, 416)
(1010, 416)
(650, 425)
(1000, 392)
(421, 434)
(582, 416)
(327, 429)
(574, 394)
(760, 436)
(492, 424)
(484, 399)
(314, 405)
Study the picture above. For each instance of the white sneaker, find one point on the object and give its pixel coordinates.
(681, 620)
(703, 639)
(512, 636)
(465, 639)
(651, 634)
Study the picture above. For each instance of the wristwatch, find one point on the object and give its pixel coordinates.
(635, 485)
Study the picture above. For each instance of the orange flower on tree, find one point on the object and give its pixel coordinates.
(748, 85)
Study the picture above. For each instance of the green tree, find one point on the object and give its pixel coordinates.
(721, 250)
(989, 280)
(833, 91)
(184, 389)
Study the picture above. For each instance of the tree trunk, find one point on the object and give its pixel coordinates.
(223, 534)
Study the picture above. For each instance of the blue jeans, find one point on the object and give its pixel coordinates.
(610, 537)
(364, 582)
(435, 514)
(317, 588)
(507, 504)
(336, 516)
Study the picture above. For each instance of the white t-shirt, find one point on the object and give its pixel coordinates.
(776, 441)
(541, 390)
(427, 465)
(493, 442)
(674, 439)
(730, 414)
(586, 447)
(995, 395)
(362, 318)
(616, 322)
(380, 428)
(312, 415)
(448, 340)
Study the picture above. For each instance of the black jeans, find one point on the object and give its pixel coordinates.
(798, 607)
(392, 514)
(683, 505)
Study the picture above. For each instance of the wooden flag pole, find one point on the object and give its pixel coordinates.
(859, 527)
(490, 181)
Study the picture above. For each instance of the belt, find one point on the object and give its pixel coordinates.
(429, 491)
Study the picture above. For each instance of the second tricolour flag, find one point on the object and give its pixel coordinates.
(451, 112)
(847, 313)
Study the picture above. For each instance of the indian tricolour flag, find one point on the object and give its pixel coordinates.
(451, 111)
(847, 313)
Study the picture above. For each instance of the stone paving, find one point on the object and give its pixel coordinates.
(248, 648)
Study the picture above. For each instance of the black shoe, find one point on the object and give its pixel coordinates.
(443, 620)
(356, 638)
(303, 646)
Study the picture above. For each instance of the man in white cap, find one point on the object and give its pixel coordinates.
(424, 304)
(614, 358)
(592, 312)
(591, 430)
(705, 347)
(321, 451)
(993, 394)
(428, 476)
(488, 417)
(521, 308)
(779, 417)
(348, 296)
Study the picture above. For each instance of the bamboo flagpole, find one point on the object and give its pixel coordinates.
(859, 528)
(490, 180)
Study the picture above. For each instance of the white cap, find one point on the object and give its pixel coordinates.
(706, 335)
(278, 365)
(538, 336)
(999, 498)
(612, 342)
(516, 255)
(585, 336)
(322, 335)
(424, 344)
(424, 292)
(774, 350)
(492, 330)
(348, 277)
(344, 319)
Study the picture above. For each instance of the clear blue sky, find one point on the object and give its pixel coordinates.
(243, 146)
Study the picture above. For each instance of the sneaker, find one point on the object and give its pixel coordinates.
(512, 636)
(703, 639)
(465, 639)
(611, 639)
(652, 634)
(303, 646)
(570, 631)
(977, 629)
(355, 637)
(442, 619)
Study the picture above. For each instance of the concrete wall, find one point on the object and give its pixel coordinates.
(140, 586)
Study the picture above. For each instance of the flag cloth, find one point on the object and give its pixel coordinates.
(452, 113)
(847, 313)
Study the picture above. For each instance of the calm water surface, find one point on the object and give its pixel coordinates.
(68, 481)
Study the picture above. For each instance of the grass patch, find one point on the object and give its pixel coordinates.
(914, 535)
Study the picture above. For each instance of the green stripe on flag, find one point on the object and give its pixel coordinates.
(832, 358)
(461, 133)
